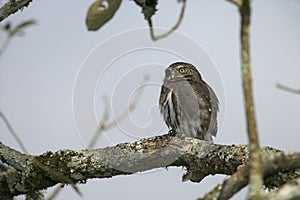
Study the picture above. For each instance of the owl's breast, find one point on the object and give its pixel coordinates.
(181, 109)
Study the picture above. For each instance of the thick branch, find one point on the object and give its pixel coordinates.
(290, 190)
(69, 166)
(272, 164)
(12, 7)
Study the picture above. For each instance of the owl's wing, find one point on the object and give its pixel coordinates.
(209, 107)
(163, 104)
(213, 129)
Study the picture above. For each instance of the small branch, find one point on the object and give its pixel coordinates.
(102, 123)
(5, 44)
(13, 132)
(290, 190)
(200, 158)
(272, 164)
(12, 32)
(256, 181)
(273, 182)
(12, 7)
(171, 30)
(287, 88)
(230, 186)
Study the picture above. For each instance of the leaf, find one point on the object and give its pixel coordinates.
(148, 7)
(100, 12)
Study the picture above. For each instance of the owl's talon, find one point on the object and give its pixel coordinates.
(172, 132)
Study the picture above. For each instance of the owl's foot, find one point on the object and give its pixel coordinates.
(172, 132)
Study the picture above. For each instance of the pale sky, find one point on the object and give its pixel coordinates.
(52, 81)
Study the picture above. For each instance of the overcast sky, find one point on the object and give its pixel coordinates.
(53, 79)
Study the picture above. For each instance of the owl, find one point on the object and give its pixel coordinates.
(187, 103)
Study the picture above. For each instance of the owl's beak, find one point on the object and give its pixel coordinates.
(170, 74)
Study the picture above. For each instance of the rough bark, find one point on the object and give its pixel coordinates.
(32, 173)
(12, 7)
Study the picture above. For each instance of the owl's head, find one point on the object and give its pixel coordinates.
(180, 71)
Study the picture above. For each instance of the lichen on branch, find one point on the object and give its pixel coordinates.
(77, 166)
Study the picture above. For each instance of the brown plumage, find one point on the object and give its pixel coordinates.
(187, 103)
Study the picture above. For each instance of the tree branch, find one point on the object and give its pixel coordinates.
(256, 182)
(272, 164)
(68, 166)
(290, 190)
(171, 30)
(13, 132)
(287, 88)
(11, 7)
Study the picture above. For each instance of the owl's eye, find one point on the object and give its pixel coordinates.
(182, 70)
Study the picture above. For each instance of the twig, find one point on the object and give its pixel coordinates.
(131, 107)
(230, 186)
(5, 44)
(11, 7)
(13, 133)
(56, 191)
(256, 182)
(102, 123)
(12, 32)
(287, 88)
(171, 30)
